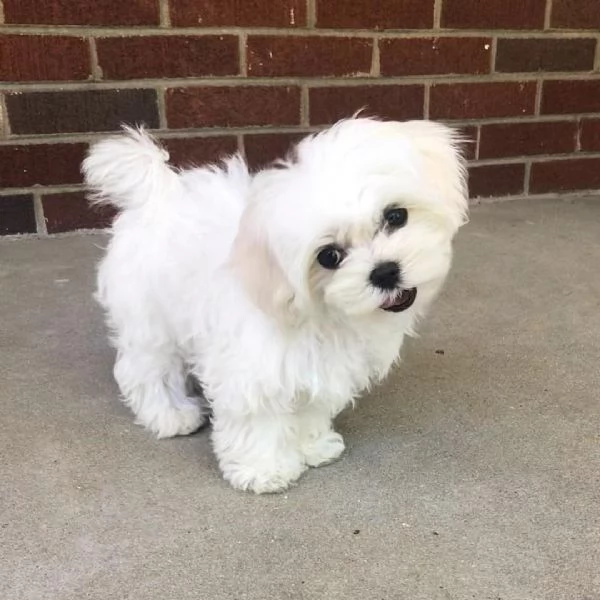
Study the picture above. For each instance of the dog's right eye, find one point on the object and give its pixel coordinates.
(330, 257)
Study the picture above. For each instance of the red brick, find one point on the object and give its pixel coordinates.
(493, 14)
(522, 139)
(496, 180)
(40, 164)
(469, 141)
(168, 56)
(563, 97)
(575, 14)
(482, 100)
(197, 151)
(264, 148)
(434, 56)
(233, 106)
(398, 102)
(590, 135)
(238, 13)
(78, 111)
(43, 58)
(543, 54)
(78, 12)
(383, 14)
(71, 211)
(292, 56)
(565, 175)
(17, 214)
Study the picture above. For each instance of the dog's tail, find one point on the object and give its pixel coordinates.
(128, 171)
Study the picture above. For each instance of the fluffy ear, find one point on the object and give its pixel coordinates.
(253, 261)
(441, 152)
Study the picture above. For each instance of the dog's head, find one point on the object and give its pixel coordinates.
(357, 221)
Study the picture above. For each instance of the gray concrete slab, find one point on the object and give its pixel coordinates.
(470, 474)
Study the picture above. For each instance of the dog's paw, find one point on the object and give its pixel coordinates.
(170, 421)
(267, 477)
(323, 449)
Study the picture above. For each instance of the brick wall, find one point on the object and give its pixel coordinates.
(215, 76)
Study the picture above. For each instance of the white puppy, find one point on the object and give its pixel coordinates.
(285, 293)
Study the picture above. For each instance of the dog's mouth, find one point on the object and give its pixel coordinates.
(401, 301)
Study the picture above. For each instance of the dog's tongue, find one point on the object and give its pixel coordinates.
(400, 301)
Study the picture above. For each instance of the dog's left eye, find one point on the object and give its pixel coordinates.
(330, 257)
(395, 217)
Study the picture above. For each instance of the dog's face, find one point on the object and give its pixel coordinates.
(358, 223)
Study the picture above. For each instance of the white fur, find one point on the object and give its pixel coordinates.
(213, 271)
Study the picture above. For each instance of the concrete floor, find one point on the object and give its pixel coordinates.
(472, 473)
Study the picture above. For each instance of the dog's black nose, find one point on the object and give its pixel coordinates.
(386, 275)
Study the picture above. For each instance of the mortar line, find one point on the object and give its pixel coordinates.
(578, 136)
(493, 55)
(40, 221)
(96, 70)
(426, 99)
(597, 61)
(2, 19)
(304, 106)
(243, 54)
(437, 15)
(310, 31)
(162, 107)
(477, 142)
(527, 176)
(375, 59)
(311, 14)
(547, 14)
(235, 81)
(165, 15)
(538, 97)
(4, 122)
(241, 145)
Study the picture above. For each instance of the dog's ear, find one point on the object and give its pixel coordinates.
(253, 261)
(440, 148)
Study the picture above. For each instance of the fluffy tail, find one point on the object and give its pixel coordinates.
(128, 170)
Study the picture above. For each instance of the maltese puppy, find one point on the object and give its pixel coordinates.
(284, 293)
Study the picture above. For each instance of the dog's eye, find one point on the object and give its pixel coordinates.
(395, 217)
(330, 257)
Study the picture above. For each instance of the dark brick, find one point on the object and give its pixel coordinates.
(238, 13)
(563, 97)
(496, 180)
(482, 100)
(565, 175)
(383, 14)
(17, 214)
(71, 211)
(433, 56)
(23, 165)
(493, 14)
(291, 56)
(521, 139)
(543, 54)
(397, 102)
(575, 14)
(90, 110)
(197, 151)
(233, 106)
(469, 144)
(78, 12)
(264, 148)
(168, 56)
(43, 58)
(590, 135)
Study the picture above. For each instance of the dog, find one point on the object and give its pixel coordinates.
(286, 293)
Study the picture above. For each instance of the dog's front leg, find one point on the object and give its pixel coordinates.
(319, 443)
(258, 451)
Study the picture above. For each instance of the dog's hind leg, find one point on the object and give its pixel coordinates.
(152, 381)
